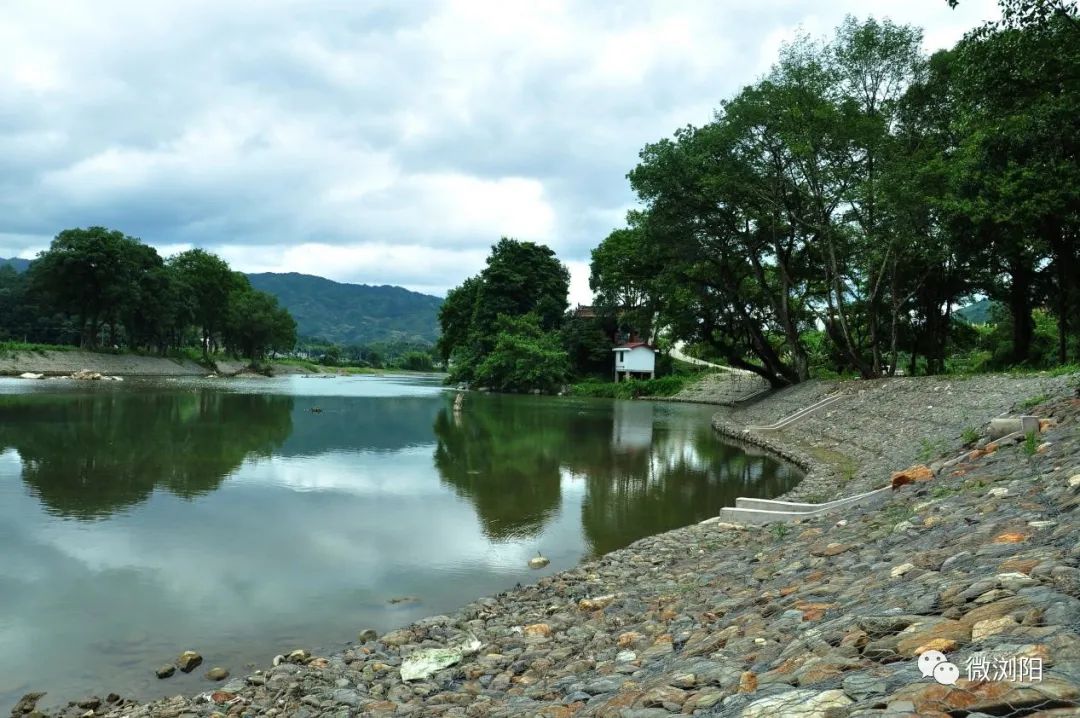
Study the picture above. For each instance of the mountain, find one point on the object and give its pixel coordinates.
(977, 313)
(352, 313)
(20, 265)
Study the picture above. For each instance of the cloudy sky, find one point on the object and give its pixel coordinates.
(376, 142)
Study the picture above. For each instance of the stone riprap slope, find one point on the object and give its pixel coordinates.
(722, 387)
(822, 618)
(69, 362)
(880, 426)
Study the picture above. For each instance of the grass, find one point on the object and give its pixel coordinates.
(633, 388)
(13, 348)
(941, 492)
(929, 449)
(779, 531)
(970, 435)
(1031, 443)
(1033, 401)
(845, 466)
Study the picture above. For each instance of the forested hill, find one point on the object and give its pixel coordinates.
(20, 265)
(352, 313)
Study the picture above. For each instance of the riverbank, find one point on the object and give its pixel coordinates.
(67, 362)
(820, 618)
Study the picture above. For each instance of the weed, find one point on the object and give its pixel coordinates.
(970, 435)
(929, 449)
(779, 531)
(941, 492)
(1033, 401)
(1031, 443)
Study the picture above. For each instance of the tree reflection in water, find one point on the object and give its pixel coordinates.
(89, 455)
(645, 470)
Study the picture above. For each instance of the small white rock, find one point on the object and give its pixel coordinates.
(1041, 524)
(900, 570)
(998, 492)
(1074, 481)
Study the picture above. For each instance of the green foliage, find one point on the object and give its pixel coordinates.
(103, 290)
(1031, 443)
(256, 325)
(832, 215)
(779, 531)
(353, 314)
(633, 388)
(970, 435)
(495, 324)
(417, 361)
(524, 358)
(1033, 401)
(16, 348)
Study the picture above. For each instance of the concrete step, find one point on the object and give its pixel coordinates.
(763, 511)
(800, 414)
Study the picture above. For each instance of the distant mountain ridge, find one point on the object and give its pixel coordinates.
(18, 263)
(342, 313)
(353, 313)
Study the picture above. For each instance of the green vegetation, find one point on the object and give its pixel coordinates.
(1033, 401)
(99, 288)
(500, 328)
(13, 348)
(929, 449)
(1031, 443)
(354, 315)
(779, 531)
(831, 217)
(970, 435)
(633, 388)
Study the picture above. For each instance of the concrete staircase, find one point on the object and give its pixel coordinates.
(764, 511)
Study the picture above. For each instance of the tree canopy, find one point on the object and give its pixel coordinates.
(99, 287)
(834, 213)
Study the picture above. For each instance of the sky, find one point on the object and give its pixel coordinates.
(372, 142)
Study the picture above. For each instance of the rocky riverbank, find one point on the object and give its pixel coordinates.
(823, 618)
(66, 363)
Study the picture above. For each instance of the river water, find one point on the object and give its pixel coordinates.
(144, 518)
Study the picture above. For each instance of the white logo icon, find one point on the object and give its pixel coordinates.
(934, 663)
(929, 660)
(946, 673)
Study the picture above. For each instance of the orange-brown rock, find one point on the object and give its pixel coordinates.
(1010, 537)
(537, 630)
(944, 645)
(910, 475)
(912, 639)
(747, 682)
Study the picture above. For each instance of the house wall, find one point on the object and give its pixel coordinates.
(637, 359)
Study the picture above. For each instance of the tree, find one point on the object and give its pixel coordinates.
(89, 273)
(455, 316)
(209, 280)
(524, 358)
(520, 278)
(256, 324)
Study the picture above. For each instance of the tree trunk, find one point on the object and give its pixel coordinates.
(1020, 308)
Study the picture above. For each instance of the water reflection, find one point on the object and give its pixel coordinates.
(232, 519)
(647, 468)
(90, 455)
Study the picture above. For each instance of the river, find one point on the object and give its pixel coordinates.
(245, 518)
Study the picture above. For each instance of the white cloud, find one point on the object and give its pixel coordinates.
(388, 142)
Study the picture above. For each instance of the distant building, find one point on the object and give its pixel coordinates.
(585, 311)
(635, 360)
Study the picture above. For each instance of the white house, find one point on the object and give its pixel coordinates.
(635, 360)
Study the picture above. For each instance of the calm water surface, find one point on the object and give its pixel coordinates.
(141, 519)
